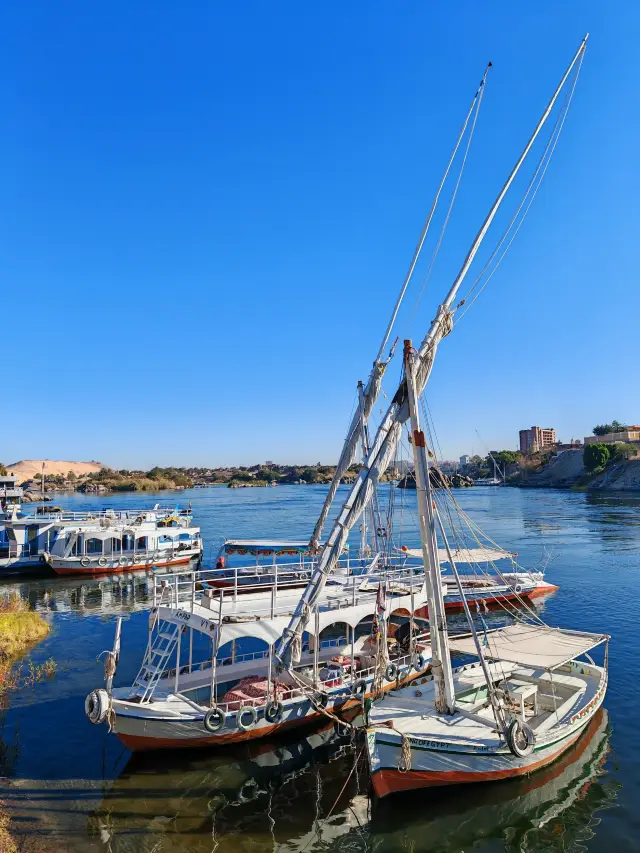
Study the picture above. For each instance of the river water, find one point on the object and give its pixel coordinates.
(72, 786)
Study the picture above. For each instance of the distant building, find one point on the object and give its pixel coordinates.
(536, 438)
(10, 491)
(629, 433)
(464, 460)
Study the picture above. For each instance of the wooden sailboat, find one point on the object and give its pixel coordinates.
(533, 688)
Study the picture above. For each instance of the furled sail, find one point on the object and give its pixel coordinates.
(348, 455)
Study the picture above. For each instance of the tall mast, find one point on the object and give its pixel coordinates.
(386, 439)
(441, 660)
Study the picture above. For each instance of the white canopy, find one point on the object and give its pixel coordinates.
(239, 623)
(531, 645)
(466, 555)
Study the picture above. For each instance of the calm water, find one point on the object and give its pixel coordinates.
(77, 788)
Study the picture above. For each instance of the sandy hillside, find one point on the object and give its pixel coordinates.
(28, 468)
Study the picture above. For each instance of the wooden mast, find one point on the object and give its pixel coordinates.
(440, 657)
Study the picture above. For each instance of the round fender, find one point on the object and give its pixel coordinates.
(517, 589)
(96, 706)
(520, 738)
(246, 717)
(273, 711)
(391, 672)
(213, 720)
(359, 688)
(137, 560)
(84, 562)
(341, 729)
(123, 561)
(102, 562)
(321, 700)
(418, 662)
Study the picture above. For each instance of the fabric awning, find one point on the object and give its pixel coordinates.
(531, 645)
(466, 555)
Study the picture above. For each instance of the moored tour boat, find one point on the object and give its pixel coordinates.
(92, 543)
(209, 677)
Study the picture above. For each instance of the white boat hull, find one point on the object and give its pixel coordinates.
(108, 565)
(437, 762)
(151, 726)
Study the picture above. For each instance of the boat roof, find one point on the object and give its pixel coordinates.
(531, 645)
(466, 555)
(265, 546)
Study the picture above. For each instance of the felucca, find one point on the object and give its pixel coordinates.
(534, 687)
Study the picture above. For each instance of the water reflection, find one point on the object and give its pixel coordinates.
(312, 794)
(550, 810)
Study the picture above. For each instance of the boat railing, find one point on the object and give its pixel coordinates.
(96, 515)
(222, 590)
(346, 681)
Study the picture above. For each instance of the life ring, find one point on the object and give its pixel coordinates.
(96, 706)
(213, 720)
(391, 672)
(242, 713)
(517, 589)
(520, 738)
(273, 711)
(102, 562)
(123, 561)
(418, 662)
(359, 688)
(137, 560)
(84, 562)
(341, 728)
(321, 700)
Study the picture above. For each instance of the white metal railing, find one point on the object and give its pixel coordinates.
(225, 588)
(96, 515)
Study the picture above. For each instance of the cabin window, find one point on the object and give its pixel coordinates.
(114, 545)
(127, 542)
(141, 543)
(94, 546)
(165, 540)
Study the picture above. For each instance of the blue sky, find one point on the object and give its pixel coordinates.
(208, 210)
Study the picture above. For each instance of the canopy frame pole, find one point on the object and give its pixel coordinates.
(498, 711)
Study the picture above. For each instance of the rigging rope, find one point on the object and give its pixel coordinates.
(547, 154)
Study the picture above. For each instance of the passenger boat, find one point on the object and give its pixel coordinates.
(107, 541)
(208, 675)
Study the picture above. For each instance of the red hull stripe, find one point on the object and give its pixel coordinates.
(105, 570)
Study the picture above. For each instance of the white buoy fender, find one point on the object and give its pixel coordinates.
(96, 706)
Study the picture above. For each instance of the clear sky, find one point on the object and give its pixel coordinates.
(207, 211)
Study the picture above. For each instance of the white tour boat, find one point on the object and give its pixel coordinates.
(197, 685)
(107, 541)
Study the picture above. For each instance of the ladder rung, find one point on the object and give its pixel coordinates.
(166, 636)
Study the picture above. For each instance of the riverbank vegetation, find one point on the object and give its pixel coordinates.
(20, 629)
